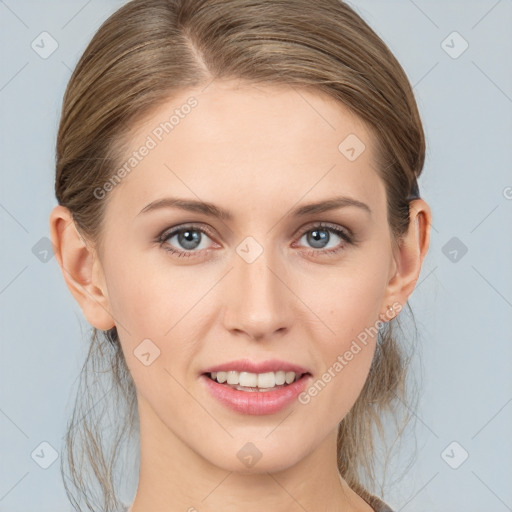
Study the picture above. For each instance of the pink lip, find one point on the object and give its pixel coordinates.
(245, 365)
(256, 402)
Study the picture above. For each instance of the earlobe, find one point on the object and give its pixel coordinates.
(81, 269)
(410, 254)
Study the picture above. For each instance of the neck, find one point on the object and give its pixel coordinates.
(174, 478)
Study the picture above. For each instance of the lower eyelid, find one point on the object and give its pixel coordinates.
(164, 238)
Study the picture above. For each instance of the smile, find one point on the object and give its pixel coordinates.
(247, 381)
(255, 400)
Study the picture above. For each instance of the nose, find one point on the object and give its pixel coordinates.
(258, 298)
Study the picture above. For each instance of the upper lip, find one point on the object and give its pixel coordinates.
(246, 365)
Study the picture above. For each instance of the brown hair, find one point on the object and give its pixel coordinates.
(149, 49)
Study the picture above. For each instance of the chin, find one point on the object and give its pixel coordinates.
(258, 457)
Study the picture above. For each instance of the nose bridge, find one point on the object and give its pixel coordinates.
(258, 300)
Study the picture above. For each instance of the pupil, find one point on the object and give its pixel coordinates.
(318, 236)
(190, 237)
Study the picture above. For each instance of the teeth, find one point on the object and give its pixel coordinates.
(265, 380)
(252, 380)
(289, 377)
(281, 378)
(249, 380)
(233, 377)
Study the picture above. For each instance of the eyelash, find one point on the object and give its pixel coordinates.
(347, 238)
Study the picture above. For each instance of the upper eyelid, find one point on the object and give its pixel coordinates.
(170, 232)
(180, 227)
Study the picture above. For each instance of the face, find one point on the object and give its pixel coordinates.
(268, 287)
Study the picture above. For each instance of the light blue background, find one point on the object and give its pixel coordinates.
(463, 308)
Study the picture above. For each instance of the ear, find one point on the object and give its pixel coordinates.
(408, 259)
(81, 269)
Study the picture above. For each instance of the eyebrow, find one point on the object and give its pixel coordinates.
(213, 210)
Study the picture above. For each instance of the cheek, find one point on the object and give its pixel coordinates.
(346, 357)
(347, 298)
(349, 306)
(153, 313)
(149, 299)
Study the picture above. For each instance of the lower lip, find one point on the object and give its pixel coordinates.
(256, 402)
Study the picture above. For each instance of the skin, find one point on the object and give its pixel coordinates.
(258, 152)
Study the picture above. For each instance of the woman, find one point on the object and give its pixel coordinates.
(240, 222)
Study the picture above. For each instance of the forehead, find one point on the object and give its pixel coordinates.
(239, 143)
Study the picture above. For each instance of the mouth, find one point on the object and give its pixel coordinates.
(256, 387)
(256, 382)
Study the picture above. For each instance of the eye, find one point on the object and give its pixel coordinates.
(319, 236)
(189, 240)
